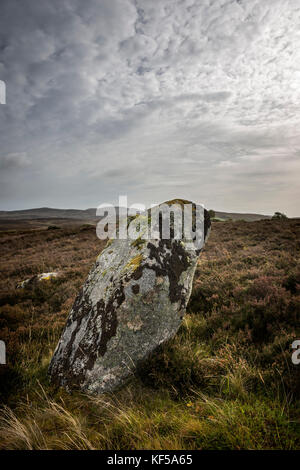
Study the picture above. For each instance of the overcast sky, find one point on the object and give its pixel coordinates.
(155, 99)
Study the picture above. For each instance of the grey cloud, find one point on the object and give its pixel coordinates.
(14, 161)
(132, 95)
(219, 96)
(123, 172)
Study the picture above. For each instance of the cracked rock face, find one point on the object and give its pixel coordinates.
(133, 300)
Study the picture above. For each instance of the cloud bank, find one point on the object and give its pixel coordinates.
(153, 99)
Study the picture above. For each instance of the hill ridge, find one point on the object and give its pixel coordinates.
(90, 214)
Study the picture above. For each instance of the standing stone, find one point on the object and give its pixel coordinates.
(133, 300)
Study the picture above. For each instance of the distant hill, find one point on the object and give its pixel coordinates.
(49, 213)
(240, 216)
(89, 215)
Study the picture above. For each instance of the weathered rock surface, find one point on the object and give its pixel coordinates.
(133, 300)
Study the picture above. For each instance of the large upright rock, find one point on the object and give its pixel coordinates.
(133, 300)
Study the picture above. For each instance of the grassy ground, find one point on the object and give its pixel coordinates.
(226, 381)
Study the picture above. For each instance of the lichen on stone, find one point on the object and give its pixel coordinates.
(133, 300)
(135, 262)
(138, 243)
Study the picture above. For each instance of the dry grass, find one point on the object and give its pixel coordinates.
(226, 381)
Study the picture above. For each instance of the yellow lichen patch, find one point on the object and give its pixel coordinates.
(134, 263)
(181, 202)
(138, 243)
(109, 243)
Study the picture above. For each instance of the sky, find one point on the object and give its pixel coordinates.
(153, 99)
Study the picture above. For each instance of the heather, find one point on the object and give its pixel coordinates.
(225, 381)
